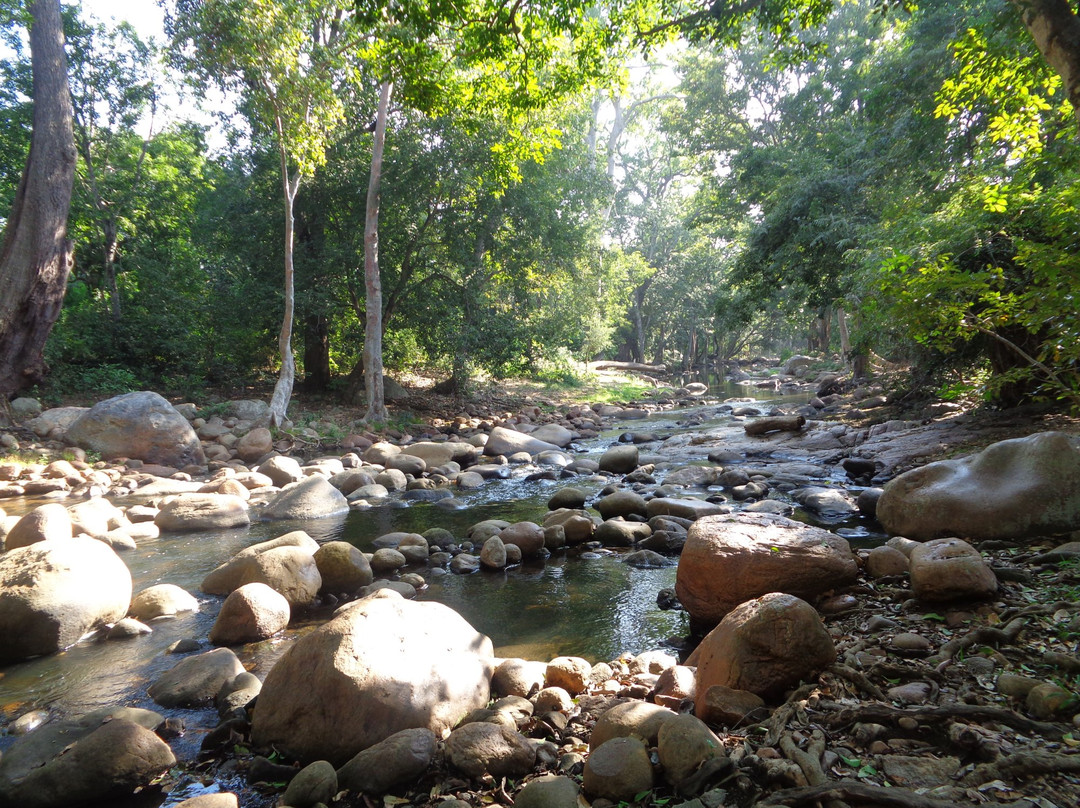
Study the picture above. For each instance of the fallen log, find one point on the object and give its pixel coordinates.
(775, 423)
(638, 367)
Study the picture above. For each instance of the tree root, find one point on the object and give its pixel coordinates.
(785, 711)
(809, 760)
(881, 713)
(1023, 764)
(984, 635)
(854, 792)
(858, 679)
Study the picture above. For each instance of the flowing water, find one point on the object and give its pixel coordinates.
(578, 603)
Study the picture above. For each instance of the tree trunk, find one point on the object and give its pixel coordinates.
(1055, 28)
(373, 367)
(316, 352)
(279, 402)
(109, 259)
(35, 258)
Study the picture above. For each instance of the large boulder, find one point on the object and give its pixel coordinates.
(310, 498)
(1013, 489)
(251, 613)
(383, 664)
(733, 558)
(183, 512)
(197, 680)
(439, 454)
(138, 425)
(55, 420)
(765, 646)
(100, 759)
(50, 521)
(285, 564)
(503, 441)
(53, 592)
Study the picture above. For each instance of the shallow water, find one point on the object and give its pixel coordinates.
(589, 605)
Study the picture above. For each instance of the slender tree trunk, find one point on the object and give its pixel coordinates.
(845, 337)
(316, 352)
(109, 260)
(1055, 27)
(35, 258)
(279, 402)
(373, 366)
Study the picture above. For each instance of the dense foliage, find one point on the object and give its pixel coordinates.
(872, 180)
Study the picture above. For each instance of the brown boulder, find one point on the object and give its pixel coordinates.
(1012, 489)
(51, 521)
(733, 558)
(383, 664)
(251, 613)
(766, 646)
(138, 425)
(950, 569)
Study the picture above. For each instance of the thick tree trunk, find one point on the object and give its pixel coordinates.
(1055, 27)
(373, 366)
(316, 352)
(36, 255)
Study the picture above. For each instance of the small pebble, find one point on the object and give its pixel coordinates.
(908, 724)
(906, 641)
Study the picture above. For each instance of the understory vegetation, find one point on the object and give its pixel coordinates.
(893, 184)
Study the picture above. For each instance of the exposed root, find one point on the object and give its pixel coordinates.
(857, 793)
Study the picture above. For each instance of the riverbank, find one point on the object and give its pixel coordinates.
(682, 446)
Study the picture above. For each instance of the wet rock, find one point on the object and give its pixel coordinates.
(503, 441)
(528, 536)
(766, 646)
(619, 459)
(568, 497)
(386, 561)
(482, 748)
(867, 501)
(53, 592)
(128, 628)
(619, 533)
(282, 470)
(493, 554)
(251, 613)
(728, 560)
(553, 433)
(236, 694)
(618, 770)
(692, 509)
(222, 799)
(1002, 492)
(89, 760)
(342, 567)
(51, 521)
(827, 502)
(949, 569)
(138, 425)
(622, 503)
(186, 512)
(464, 564)
(396, 761)
(195, 681)
(315, 783)
(162, 600)
(285, 564)
(383, 664)
(310, 498)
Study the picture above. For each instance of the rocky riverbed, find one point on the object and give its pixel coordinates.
(826, 663)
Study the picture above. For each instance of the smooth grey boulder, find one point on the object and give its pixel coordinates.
(53, 592)
(138, 425)
(383, 664)
(1013, 489)
(311, 498)
(503, 441)
(99, 758)
(196, 681)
